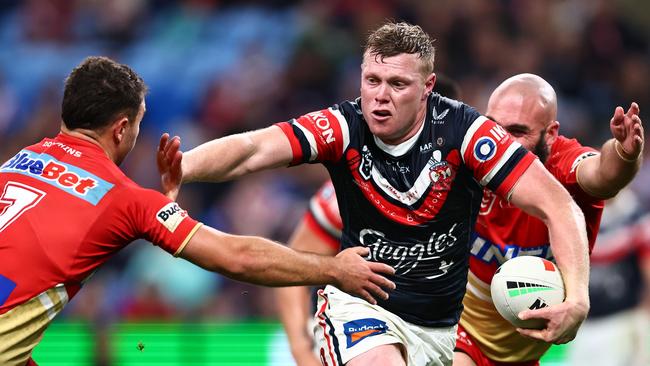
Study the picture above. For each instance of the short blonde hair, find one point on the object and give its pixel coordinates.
(392, 39)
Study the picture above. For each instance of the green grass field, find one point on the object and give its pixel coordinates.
(170, 344)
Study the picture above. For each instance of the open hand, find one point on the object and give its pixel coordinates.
(169, 159)
(627, 129)
(362, 278)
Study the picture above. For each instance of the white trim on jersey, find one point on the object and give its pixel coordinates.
(312, 141)
(504, 158)
(322, 219)
(470, 134)
(343, 124)
(412, 195)
(399, 149)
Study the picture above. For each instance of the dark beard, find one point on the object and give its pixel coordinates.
(541, 149)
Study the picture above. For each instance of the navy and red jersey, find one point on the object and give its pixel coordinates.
(65, 208)
(413, 205)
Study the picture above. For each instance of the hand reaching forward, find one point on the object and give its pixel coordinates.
(169, 159)
(563, 321)
(362, 278)
(627, 129)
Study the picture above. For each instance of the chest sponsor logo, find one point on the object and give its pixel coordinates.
(407, 258)
(484, 149)
(360, 329)
(64, 176)
(489, 252)
(171, 215)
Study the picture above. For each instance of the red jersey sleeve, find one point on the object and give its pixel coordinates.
(564, 162)
(495, 158)
(323, 216)
(161, 221)
(320, 136)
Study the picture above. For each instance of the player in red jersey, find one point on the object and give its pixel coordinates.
(526, 106)
(409, 167)
(66, 207)
(320, 229)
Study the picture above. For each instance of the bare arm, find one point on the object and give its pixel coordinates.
(539, 194)
(294, 305)
(263, 262)
(232, 156)
(606, 174)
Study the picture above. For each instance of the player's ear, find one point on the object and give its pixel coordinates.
(119, 129)
(428, 85)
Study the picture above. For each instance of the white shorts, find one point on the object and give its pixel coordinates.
(348, 326)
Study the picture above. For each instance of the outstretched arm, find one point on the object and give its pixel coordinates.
(221, 159)
(606, 174)
(541, 195)
(263, 262)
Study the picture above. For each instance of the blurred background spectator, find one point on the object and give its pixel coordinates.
(220, 67)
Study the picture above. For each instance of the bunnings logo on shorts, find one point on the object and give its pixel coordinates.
(359, 329)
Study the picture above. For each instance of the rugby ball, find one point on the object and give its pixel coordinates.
(523, 283)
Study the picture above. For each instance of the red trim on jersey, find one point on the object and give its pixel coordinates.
(506, 186)
(293, 141)
(327, 132)
(329, 239)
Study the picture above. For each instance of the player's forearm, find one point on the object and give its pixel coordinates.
(218, 160)
(569, 244)
(266, 263)
(613, 171)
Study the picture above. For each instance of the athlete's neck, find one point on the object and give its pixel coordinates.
(86, 135)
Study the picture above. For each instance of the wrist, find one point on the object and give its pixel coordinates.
(624, 155)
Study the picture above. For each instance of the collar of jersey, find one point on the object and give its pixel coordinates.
(399, 149)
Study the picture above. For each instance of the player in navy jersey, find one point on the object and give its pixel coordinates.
(408, 167)
(66, 208)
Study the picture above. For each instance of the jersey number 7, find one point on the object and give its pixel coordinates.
(15, 200)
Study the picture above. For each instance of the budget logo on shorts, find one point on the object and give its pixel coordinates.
(359, 329)
(485, 149)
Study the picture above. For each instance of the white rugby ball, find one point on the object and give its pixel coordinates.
(523, 283)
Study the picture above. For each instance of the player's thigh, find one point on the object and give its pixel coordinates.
(462, 359)
(384, 355)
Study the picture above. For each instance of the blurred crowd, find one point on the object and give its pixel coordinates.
(220, 67)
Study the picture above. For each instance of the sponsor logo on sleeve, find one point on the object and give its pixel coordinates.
(360, 329)
(171, 215)
(64, 176)
(484, 149)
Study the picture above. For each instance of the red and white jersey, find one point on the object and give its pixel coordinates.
(66, 208)
(503, 232)
(413, 205)
(323, 216)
